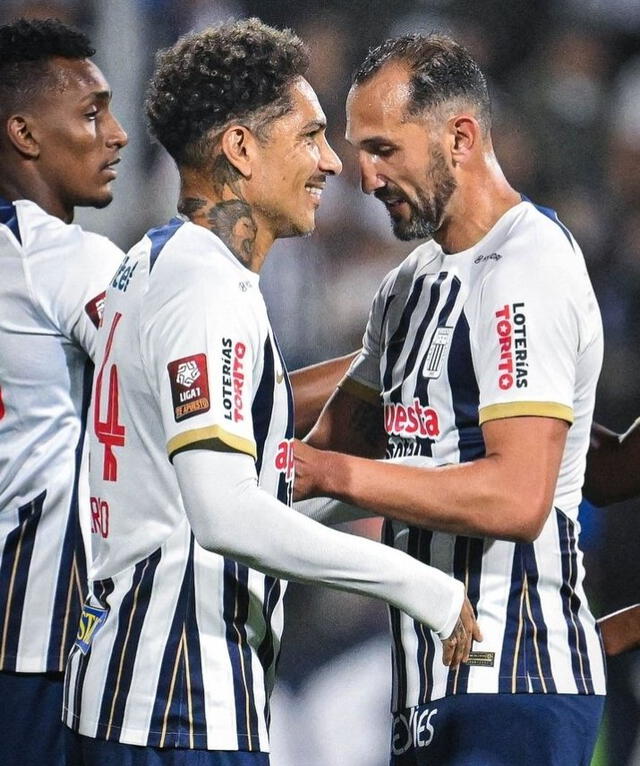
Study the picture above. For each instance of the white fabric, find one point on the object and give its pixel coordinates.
(52, 278)
(244, 522)
(435, 352)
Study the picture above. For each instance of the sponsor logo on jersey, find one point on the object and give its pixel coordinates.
(91, 620)
(123, 275)
(95, 308)
(511, 328)
(233, 379)
(413, 730)
(414, 419)
(436, 352)
(481, 659)
(485, 258)
(99, 517)
(285, 459)
(189, 386)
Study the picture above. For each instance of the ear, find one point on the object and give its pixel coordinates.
(19, 134)
(465, 135)
(238, 143)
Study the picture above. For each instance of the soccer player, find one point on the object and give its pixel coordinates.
(191, 432)
(481, 353)
(58, 146)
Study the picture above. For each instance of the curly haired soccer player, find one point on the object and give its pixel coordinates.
(191, 442)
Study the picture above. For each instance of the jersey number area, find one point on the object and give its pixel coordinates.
(109, 431)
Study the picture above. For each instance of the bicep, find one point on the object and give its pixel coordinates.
(529, 452)
(350, 424)
(312, 387)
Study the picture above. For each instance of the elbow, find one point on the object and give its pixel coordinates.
(527, 521)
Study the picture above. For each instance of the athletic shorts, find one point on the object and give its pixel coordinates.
(86, 751)
(498, 730)
(31, 729)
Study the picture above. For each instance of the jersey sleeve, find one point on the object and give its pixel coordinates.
(363, 377)
(69, 284)
(526, 339)
(201, 345)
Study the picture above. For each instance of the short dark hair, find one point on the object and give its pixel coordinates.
(441, 70)
(26, 48)
(238, 70)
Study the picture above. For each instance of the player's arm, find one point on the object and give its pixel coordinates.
(232, 516)
(312, 387)
(613, 465)
(506, 494)
(621, 630)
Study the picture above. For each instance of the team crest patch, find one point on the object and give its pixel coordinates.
(95, 308)
(189, 386)
(91, 620)
(436, 352)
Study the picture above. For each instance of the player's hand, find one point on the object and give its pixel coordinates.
(311, 469)
(457, 647)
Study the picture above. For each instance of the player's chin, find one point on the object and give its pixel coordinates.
(98, 198)
(301, 227)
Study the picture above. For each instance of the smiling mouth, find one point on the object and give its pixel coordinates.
(315, 192)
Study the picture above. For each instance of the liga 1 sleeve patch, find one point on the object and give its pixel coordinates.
(95, 307)
(189, 386)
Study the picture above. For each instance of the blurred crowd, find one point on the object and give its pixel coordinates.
(565, 82)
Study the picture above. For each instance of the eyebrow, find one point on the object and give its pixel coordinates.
(314, 125)
(375, 141)
(99, 95)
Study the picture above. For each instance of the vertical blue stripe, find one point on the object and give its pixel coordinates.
(537, 627)
(125, 646)
(14, 576)
(395, 395)
(512, 623)
(159, 238)
(9, 217)
(465, 394)
(399, 659)
(178, 732)
(426, 645)
(262, 406)
(72, 552)
(236, 612)
(571, 604)
(396, 343)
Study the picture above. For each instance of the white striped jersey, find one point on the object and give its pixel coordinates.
(51, 292)
(177, 645)
(508, 327)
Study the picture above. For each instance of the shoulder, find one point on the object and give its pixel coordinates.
(535, 248)
(48, 237)
(400, 279)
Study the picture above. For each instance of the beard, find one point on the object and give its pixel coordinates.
(425, 213)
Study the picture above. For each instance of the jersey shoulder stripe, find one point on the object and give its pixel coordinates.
(9, 217)
(159, 238)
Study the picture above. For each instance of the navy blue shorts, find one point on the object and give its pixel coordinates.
(31, 729)
(498, 730)
(86, 751)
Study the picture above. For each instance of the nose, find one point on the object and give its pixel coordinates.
(369, 178)
(329, 161)
(117, 135)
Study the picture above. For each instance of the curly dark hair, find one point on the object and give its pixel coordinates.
(441, 70)
(238, 70)
(26, 48)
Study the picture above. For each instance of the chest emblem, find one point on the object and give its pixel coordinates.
(435, 355)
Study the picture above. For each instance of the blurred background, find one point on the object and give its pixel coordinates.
(565, 83)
